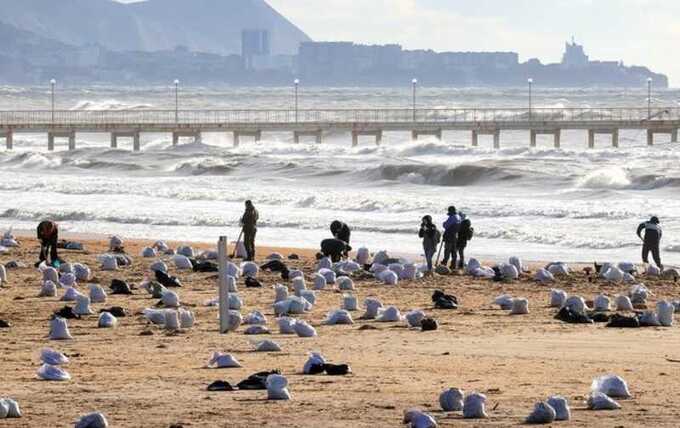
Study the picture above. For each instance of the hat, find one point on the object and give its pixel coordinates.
(452, 210)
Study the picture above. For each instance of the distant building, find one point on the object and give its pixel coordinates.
(255, 44)
(574, 56)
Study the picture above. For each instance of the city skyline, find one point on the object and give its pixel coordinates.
(639, 34)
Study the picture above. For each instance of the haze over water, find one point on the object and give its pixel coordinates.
(571, 204)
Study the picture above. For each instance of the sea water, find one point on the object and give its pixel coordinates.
(569, 204)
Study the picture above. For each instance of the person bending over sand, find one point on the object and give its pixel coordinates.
(48, 235)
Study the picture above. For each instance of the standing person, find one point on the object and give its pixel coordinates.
(651, 241)
(48, 235)
(431, 237)
(342, 232)
(451, 226)
(249, 226)
(465, 233)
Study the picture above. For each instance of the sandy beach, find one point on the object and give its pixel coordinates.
(160, 380)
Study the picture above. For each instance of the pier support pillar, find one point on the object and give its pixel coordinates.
(615, 138)
(136, 146)
(416, 133)
(50, 142)
(72, 142)
(114, 141)
(591, 139)
(317, 134)
(175, 138)
(475, 138)
(532, 138)
(650, 137)
(9, 143)
(497, 140)
(674, 136)
(257, 136)
(176, 135)
(558, 138)
(556, 134)
(376, 134)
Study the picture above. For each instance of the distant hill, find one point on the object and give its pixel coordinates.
(212, 26)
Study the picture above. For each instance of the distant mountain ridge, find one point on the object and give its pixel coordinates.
(212, 26)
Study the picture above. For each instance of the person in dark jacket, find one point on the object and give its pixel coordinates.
(249, 226)
(465, 232)
(431, 237)
(451, 226)
(48, 235)
(651, 241)
(335, 249)
(341, 231)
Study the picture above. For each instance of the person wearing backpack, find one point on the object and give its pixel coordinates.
(465, 233)
(451, 226)
(431, 238)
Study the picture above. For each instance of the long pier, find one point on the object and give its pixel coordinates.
(359, 123)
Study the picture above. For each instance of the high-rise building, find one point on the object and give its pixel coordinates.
(254, 43)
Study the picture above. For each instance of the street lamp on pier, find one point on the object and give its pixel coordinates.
(414, 82)
(649, 98)
(52, 83)
(296, 83)
(176, 101)
(531, 83)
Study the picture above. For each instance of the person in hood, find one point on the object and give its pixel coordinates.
(249, 226)
(341, 231)
(465, 233)
(451, 226)
(431, 238)
(48, 235)
(651, 242)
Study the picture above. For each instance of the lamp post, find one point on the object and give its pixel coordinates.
(531, 82)
(415, 85)
(649, 98)
(176, 101)
(296, 83)
(52, 83)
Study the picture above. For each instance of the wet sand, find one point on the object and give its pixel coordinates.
(161, 379)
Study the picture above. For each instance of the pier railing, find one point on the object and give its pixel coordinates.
(333, 116)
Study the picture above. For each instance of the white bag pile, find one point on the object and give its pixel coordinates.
(149, 252)
(250, 269)
(48, 289)
(70, 295)
(373, 307)
(220, 360)
(182, 262)
(451, 400)
(328, 275)
(159, 266)
(82, 272)
(520, 306)
(59, 329)
(611, 385)
(302, 329)
(52, 357)
(389, 314)
(267, 346)
(349, 302)
(67, 280)
(505, 301)
(186, 251)
(315, 359)
(557, 298)
(9, 408)
(324, 263)
(277, 387)
(50, 274)
(363, 256)
(415, 418)
(338, 316)
(255, 318)
(286, 325)
(97, 294)
(108, 262)
(388, 277)
(299, 285)
(50, 372)
(561, 406)
(665, 311)
(107, 320)
(92, 420)
(474, 406)
(170, 299)
(577, 304)
(319, 281)
(281, 293)
(600, 401)
(543, 276)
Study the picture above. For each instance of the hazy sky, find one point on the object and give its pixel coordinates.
(639, 32)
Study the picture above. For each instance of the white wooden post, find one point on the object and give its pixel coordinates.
(224, 289)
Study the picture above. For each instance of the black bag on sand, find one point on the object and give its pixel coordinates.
(67, 313)
(257, 381)
(336, 369)
(428, 324)
(220, 385)
(566, 314)
(620, 321)
(444, 301)
(120, 287)
(253, 283)
(204, 267)
(116, 311)
(166, 280)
